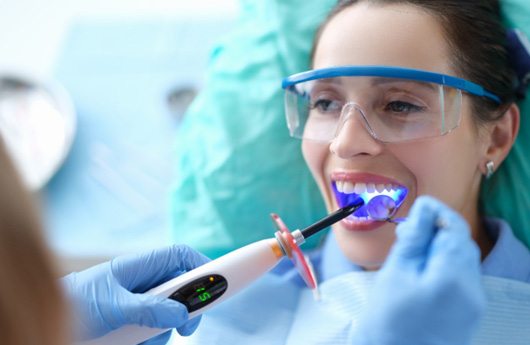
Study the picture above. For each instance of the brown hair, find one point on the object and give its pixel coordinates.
(474, 31)
(32, 310)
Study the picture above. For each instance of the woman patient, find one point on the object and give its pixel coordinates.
(405, 98)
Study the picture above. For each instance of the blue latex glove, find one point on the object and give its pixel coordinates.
(107, 296)
(429, 290)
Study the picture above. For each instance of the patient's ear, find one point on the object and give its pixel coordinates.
(502, 135)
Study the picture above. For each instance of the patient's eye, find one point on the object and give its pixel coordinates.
(327, 106)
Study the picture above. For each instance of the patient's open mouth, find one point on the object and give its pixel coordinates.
(346, 191)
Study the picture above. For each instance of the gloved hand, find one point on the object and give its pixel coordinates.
(429, 290)
(107, 296)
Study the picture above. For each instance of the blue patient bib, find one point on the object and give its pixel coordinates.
(273, 312)
(507, 319)
(333, 320)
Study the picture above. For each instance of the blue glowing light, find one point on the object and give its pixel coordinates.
(398, 195)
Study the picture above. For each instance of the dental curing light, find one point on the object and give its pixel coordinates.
(218, 280)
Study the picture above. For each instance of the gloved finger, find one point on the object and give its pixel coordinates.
(415, 235)
(189, 327)
(154, 311)
(453, 270)
(161, 339)
(453, 251)
(140, 272)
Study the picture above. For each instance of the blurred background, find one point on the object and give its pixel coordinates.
(100, 88)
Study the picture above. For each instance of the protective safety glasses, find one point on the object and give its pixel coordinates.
(394, 104)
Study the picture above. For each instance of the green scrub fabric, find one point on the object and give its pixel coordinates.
(235, 160)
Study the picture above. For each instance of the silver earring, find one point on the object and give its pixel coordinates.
(331, 149)
(490, 166)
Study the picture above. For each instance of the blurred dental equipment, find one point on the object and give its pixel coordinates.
(37, 123)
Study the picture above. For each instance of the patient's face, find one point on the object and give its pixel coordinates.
(446, 167)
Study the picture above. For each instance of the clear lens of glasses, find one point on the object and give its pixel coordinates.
(391, 109)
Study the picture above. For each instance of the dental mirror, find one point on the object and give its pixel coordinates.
(383, 208)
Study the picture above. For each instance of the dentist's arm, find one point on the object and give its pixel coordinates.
(429, 289)
(108, 296)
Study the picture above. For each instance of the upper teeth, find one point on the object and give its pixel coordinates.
(349, 187)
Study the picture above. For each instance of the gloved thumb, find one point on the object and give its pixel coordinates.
(155, 311)
(189, 327)
(415, 235)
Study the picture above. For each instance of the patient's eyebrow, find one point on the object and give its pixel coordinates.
(379, 81)
(333, 81)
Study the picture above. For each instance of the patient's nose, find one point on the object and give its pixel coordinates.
(354, 135)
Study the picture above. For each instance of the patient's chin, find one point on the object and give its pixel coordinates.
(367, 249)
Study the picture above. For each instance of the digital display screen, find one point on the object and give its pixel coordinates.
(200, 292)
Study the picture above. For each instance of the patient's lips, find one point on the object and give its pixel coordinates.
(348, 186)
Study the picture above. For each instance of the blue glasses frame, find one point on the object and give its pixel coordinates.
(390, 72)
